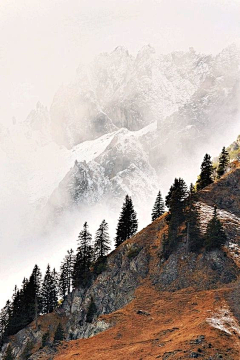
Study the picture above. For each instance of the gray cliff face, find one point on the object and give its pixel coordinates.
(112, 290)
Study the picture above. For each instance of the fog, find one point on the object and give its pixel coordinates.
(42, 44)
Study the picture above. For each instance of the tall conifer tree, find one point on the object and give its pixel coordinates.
(49, 291)
(84, 258)
(215, 236)
(127, 223)
(159, 207)
(102, 241)
(223, 162)
(206, 175)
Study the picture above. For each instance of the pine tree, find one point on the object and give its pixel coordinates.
(194, 237)
(158, 208)
(59, 333)
(223, 162)
(66, 272)
(215, 236)
(84, 257)
(9, 354)
(102, 241)
(91, 311)
(49, 291)
(127, 223)
(206, 175)
(176, 202)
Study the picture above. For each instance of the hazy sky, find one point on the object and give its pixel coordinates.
(43, 41)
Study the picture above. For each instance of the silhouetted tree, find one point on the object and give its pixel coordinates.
(215, 236)
(206, 175)
(84, 257)
(66, 273)
(49, 291)
(159, 207)
(127, 223)
(223, 162)
(176, 202)
(102, 241)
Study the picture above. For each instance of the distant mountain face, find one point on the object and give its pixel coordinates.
(131, 123)
(118, 90)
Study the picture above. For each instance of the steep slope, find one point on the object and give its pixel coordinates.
(147, 307)
(122, 168)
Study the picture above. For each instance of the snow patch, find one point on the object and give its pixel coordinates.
(223, 320)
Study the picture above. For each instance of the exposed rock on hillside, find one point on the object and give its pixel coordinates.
(184, 297)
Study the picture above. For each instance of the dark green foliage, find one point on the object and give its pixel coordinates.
(92, 310)
(49, 291)
(159, 207)
(59, 333)
(9, 354)
(206, 175)
(100, 265)
(194, 237)
(215, 236)
(170, 242)
(45, 339)
(84, 258)
(127, 223)
(102, 241)
(176, 202)
(133, 253)
(66, 272)
(223, 162)
(25, 306)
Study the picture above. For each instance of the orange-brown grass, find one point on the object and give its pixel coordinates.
(175, 320)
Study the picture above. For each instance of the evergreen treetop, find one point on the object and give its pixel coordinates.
(159, 207)
(127, 223)
(49, 291)
(206, 175)
(223, 162)
(84, 258)
(175, 200)
(215, 236)
(102, 241)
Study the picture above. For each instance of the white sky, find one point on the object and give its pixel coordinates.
(43, 41)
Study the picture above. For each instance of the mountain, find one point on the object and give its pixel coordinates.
(149, 307)
(191, 97)
(120, 98)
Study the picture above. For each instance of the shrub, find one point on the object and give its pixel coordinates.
(91, 311)
(133, 253)
(100, 265)
(59, 333)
